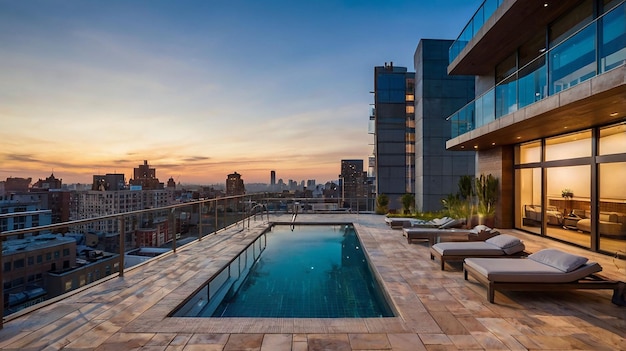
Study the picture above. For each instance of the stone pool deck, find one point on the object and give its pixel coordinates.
(437, 310)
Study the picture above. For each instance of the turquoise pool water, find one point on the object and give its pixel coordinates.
(311, 272)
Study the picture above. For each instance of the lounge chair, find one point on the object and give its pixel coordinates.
(502, 245)
(400, 222)
(480, 232)
(545, 270)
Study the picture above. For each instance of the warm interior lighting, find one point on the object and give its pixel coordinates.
(613, 114)
(518, 138)
(492, 144)
(475, 146)
(545, 4)
(462, 146)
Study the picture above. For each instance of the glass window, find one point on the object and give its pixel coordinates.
(529, 153)
(573, 21)
(612, 218)
(573, 61)
(532, 49)
(569, 146)
(528, 193)
(505, 68)
(19, 263)
(410, 109)
(609, 4)
(568, 202)
(612, 140)
(613, 48)
(31, 260)
(7, 266)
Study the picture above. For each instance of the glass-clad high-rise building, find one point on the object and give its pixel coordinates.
(394, 132)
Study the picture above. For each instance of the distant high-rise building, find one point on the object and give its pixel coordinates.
(109, 182)
(145, 177)
(49, 183)
(352, 179)
(171, 184)
(234, 185)
(273, 179)
(16, 185)
(437, 96)
(394, 132)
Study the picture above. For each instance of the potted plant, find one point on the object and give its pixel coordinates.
(567, 193)
(408, 203)
(382, 204)
(487, 195)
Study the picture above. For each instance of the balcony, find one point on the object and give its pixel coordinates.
(437, 309)
(484, 12)
(564, 81)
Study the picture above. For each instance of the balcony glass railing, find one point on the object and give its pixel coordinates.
(483, 13)
(570, 62)
(43, 262)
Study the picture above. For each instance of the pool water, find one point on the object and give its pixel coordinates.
(311, 272)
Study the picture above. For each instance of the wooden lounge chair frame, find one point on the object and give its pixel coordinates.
(445, 258)
(592, 281)
(431, 235)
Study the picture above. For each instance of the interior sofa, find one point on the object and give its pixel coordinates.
(532, 215)
(610, 223)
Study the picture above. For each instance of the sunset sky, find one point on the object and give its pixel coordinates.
(200, 89)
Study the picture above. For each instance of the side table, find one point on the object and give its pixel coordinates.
(569, 222)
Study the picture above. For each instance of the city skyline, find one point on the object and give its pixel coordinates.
(200, 89)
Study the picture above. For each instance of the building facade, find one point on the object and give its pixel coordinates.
(437, 96)
(394, 132)
(234, 185)
(145, 178)
(549, 116)
(353, 184)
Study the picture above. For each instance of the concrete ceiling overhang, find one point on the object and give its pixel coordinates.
(595, 102)
(511, 25)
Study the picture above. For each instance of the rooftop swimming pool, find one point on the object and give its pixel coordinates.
(312, 271)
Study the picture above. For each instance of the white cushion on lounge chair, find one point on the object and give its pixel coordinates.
(563, 261)
(506, 245)
(470, 248)
(506, 242)
(520, 270)
(450, 223)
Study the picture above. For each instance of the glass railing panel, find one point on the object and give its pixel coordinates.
(478, 20)
(532, 85)
(89, 249)
(463, 120)
(613, 47)
(506, 97)
(486, 9)
(573, 61)
(486, 112)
